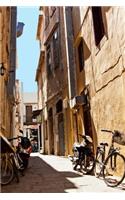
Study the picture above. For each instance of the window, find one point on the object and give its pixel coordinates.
(53, 53)
(50, 112)
(81, 55)
(56, 49)
(59, 106)
(28, 113)
(49, 61)
(98, 24)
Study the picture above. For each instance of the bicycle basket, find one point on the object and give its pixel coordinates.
(119, 137)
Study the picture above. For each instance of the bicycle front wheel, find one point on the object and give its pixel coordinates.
(7, 172)
(114, 169)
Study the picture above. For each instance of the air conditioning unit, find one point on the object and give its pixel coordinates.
(78, 101)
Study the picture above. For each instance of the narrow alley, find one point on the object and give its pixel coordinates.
(54, 174)
(62, 81)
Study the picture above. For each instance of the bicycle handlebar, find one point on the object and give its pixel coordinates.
(105, 130)
(10, 139)
(87, 138)
(80, 135)
(83, 136)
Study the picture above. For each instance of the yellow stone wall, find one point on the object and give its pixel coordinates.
(6, 108)
(105, 71)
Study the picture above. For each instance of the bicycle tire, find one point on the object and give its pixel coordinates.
(75, 160)
(16, 175)
(112, 177)
(87, 164)
(7, 171)
(98, 164)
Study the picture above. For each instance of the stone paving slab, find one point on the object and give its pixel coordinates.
(54, 174)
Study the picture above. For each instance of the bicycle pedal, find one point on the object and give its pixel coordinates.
(21, 167)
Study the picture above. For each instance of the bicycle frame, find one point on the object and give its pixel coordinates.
(111, 153)
(100, 160)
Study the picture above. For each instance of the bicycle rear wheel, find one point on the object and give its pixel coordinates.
(98, 164)
(114, 169)
(15, 169)
(7, 172)
(87, 164)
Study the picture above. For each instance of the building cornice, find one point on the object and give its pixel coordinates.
(40, 20)
(41, 60)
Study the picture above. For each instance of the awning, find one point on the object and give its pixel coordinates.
(19, 29)
(35, 113)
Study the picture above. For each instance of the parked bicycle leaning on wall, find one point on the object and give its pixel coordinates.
(111, 168)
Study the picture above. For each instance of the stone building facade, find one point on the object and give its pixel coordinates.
(80, 74)
(99, 38)
(52, 79)
(8, 16)
(30, 126)
(19, 106)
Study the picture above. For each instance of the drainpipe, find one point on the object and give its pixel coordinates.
(16, 31)
(70, 59)
(1, 79)
(12, 62)
(70, 55)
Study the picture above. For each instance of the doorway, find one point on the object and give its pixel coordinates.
(51, 134)
(60, 118)
(61, 134)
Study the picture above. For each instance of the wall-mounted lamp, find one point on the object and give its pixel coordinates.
(2, 69)
(19, 29)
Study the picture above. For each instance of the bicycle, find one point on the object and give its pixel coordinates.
(83, 155)
(10, 163)
(111, 168)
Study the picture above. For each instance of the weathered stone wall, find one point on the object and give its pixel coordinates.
(105, 70)
(56, 80)
(103, 73)
(56, 84)
(4, 45)
(6, 106)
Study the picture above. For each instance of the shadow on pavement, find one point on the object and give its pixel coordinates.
(41, 178)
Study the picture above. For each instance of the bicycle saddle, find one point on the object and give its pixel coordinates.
(104, 143)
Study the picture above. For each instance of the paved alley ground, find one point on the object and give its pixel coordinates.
(54, 174)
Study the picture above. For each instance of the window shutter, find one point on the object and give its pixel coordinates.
(56, 48)
(98, 24)
(81, 55)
